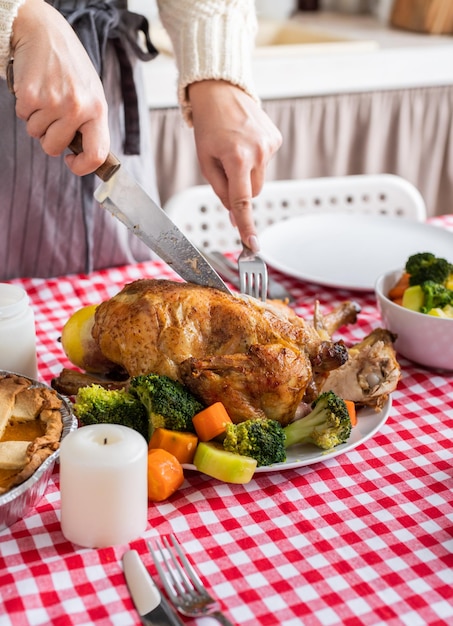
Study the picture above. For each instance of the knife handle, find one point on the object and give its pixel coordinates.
(104, 171)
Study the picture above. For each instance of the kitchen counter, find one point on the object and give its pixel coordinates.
(398, 59)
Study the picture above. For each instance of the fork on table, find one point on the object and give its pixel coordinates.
(184, 588)
(252, 274)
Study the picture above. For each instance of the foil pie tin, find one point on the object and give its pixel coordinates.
(21, 500)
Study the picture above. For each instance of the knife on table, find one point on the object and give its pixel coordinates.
(120, 194)
(152, 607)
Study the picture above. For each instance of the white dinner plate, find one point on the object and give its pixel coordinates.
(368, 423)
(349, 250)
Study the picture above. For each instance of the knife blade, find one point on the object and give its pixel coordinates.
(120, 194)
(152, 607)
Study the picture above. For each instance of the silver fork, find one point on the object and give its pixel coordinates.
(183, 586)
(252, 274)
(228, 270)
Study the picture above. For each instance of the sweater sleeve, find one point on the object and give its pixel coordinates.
(212, 39)
(8, 13)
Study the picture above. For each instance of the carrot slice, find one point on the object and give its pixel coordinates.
(165, 474)
(181, 444)
(211, 422)
(350, 405)
(397, 290)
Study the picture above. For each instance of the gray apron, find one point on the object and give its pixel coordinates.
(50, 224)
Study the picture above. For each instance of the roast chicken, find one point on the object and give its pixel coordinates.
(257, 358)
(371, 372)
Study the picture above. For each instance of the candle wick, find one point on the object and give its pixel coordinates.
(105, 441)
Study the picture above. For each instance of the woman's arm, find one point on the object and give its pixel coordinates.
(235, 140)
(57, 89)
(213, 42)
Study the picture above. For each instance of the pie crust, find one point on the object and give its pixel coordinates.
(31, 425)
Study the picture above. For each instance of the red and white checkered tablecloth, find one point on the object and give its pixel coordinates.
(365, 538)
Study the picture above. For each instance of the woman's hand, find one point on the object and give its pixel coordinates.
(235, 140)
(57, 88)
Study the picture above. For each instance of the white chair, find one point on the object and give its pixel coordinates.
(200, 215)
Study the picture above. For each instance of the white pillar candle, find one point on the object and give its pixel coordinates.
(103, 485)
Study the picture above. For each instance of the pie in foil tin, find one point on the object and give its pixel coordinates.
(19, 501)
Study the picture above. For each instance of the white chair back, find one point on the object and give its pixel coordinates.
(200, 215)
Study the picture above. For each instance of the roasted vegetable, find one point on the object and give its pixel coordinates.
(181, 444)
(435, 296)
(425, 266)
(426, 286)
(326, 426)
(165, 474)
(261, 439)
(211, 459)
(168, 403)
(211, 422)
(97, 405)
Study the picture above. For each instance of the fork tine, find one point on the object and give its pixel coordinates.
(260, 286)
(189, 570)
(252, 274)
(188, 579)
(160, 571)
(247, 283)
(254, 284)
(188, 594)
(242, 281)
(184, 584)
(180, 583)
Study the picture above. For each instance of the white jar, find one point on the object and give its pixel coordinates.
(17, 332)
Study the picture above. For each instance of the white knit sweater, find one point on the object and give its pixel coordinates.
(212, 39)
(8, 13)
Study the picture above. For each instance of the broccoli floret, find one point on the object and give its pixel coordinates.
(426, 266)
(168, 403)
(97, 405)
(327, 425)
(260, 438)
(436, 296)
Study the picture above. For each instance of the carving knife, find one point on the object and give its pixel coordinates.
(127, 200)
(152, 607)
(120, 194)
